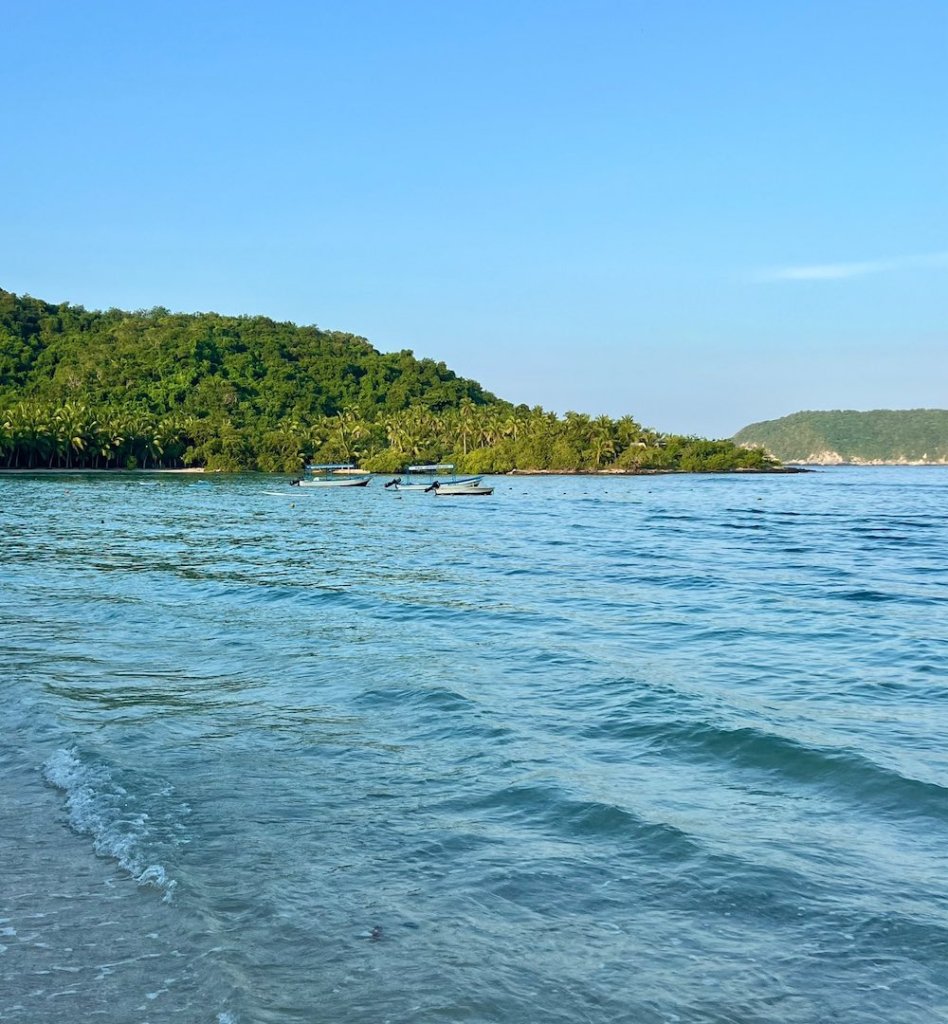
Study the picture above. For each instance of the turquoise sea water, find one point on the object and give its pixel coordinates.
(660, 749)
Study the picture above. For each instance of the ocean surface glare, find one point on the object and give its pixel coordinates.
(593, 750)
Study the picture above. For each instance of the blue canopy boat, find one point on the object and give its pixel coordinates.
(431, 477)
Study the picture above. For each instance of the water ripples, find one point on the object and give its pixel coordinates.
(648, 749)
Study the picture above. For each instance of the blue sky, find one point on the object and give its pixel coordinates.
(700, 213)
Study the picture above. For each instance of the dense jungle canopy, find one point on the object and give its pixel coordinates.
(117, 389)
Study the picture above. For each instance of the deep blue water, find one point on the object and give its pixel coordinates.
(654, 749)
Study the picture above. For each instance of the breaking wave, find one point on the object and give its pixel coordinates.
(104, 810)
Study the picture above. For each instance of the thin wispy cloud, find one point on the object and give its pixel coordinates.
(845, 271)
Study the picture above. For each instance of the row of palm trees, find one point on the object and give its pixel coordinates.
(470, 427)
(73, 436)
(479, 438)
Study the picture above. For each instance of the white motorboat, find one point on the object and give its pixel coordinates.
(333, 474)
(462, 489)
(425, 478)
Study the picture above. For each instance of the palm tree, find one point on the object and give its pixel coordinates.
(169, 440)
(347, 430)
(75, 426)
(627, 432)
(31, 428)
(111, 438)
(394, 431)
(288, 442)
(512, 426)
(602, 445)
(6, 436)
(466, 420)
(416, 437)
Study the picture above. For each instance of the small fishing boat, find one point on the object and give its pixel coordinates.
(424, 478)
(461, 489)
(333, 474)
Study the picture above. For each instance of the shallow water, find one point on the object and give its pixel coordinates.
(655, 749)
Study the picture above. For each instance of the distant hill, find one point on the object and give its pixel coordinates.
(897, 436)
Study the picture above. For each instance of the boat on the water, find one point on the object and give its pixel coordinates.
(430, 477)
(333, 474)
(462, 489)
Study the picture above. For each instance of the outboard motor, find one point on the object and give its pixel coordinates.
(393, 483)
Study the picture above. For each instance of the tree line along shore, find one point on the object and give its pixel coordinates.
(155, 389)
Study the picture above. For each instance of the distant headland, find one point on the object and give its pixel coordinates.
(883, 437)
(153, 389)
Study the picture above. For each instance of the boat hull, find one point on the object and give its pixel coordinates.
(429, 485)
(333, 483)
(463, 490)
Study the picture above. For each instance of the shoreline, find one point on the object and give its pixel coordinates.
(86, 469)
(655, 472)
(789, 469)
(867, 463)
(43, 470)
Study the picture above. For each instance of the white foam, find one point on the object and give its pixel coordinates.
(98, 807)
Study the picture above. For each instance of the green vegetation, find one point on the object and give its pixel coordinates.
(114, 389)
(884, 435)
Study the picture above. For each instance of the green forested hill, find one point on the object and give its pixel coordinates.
(110, 389)
(203, 364)
(884, 435)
